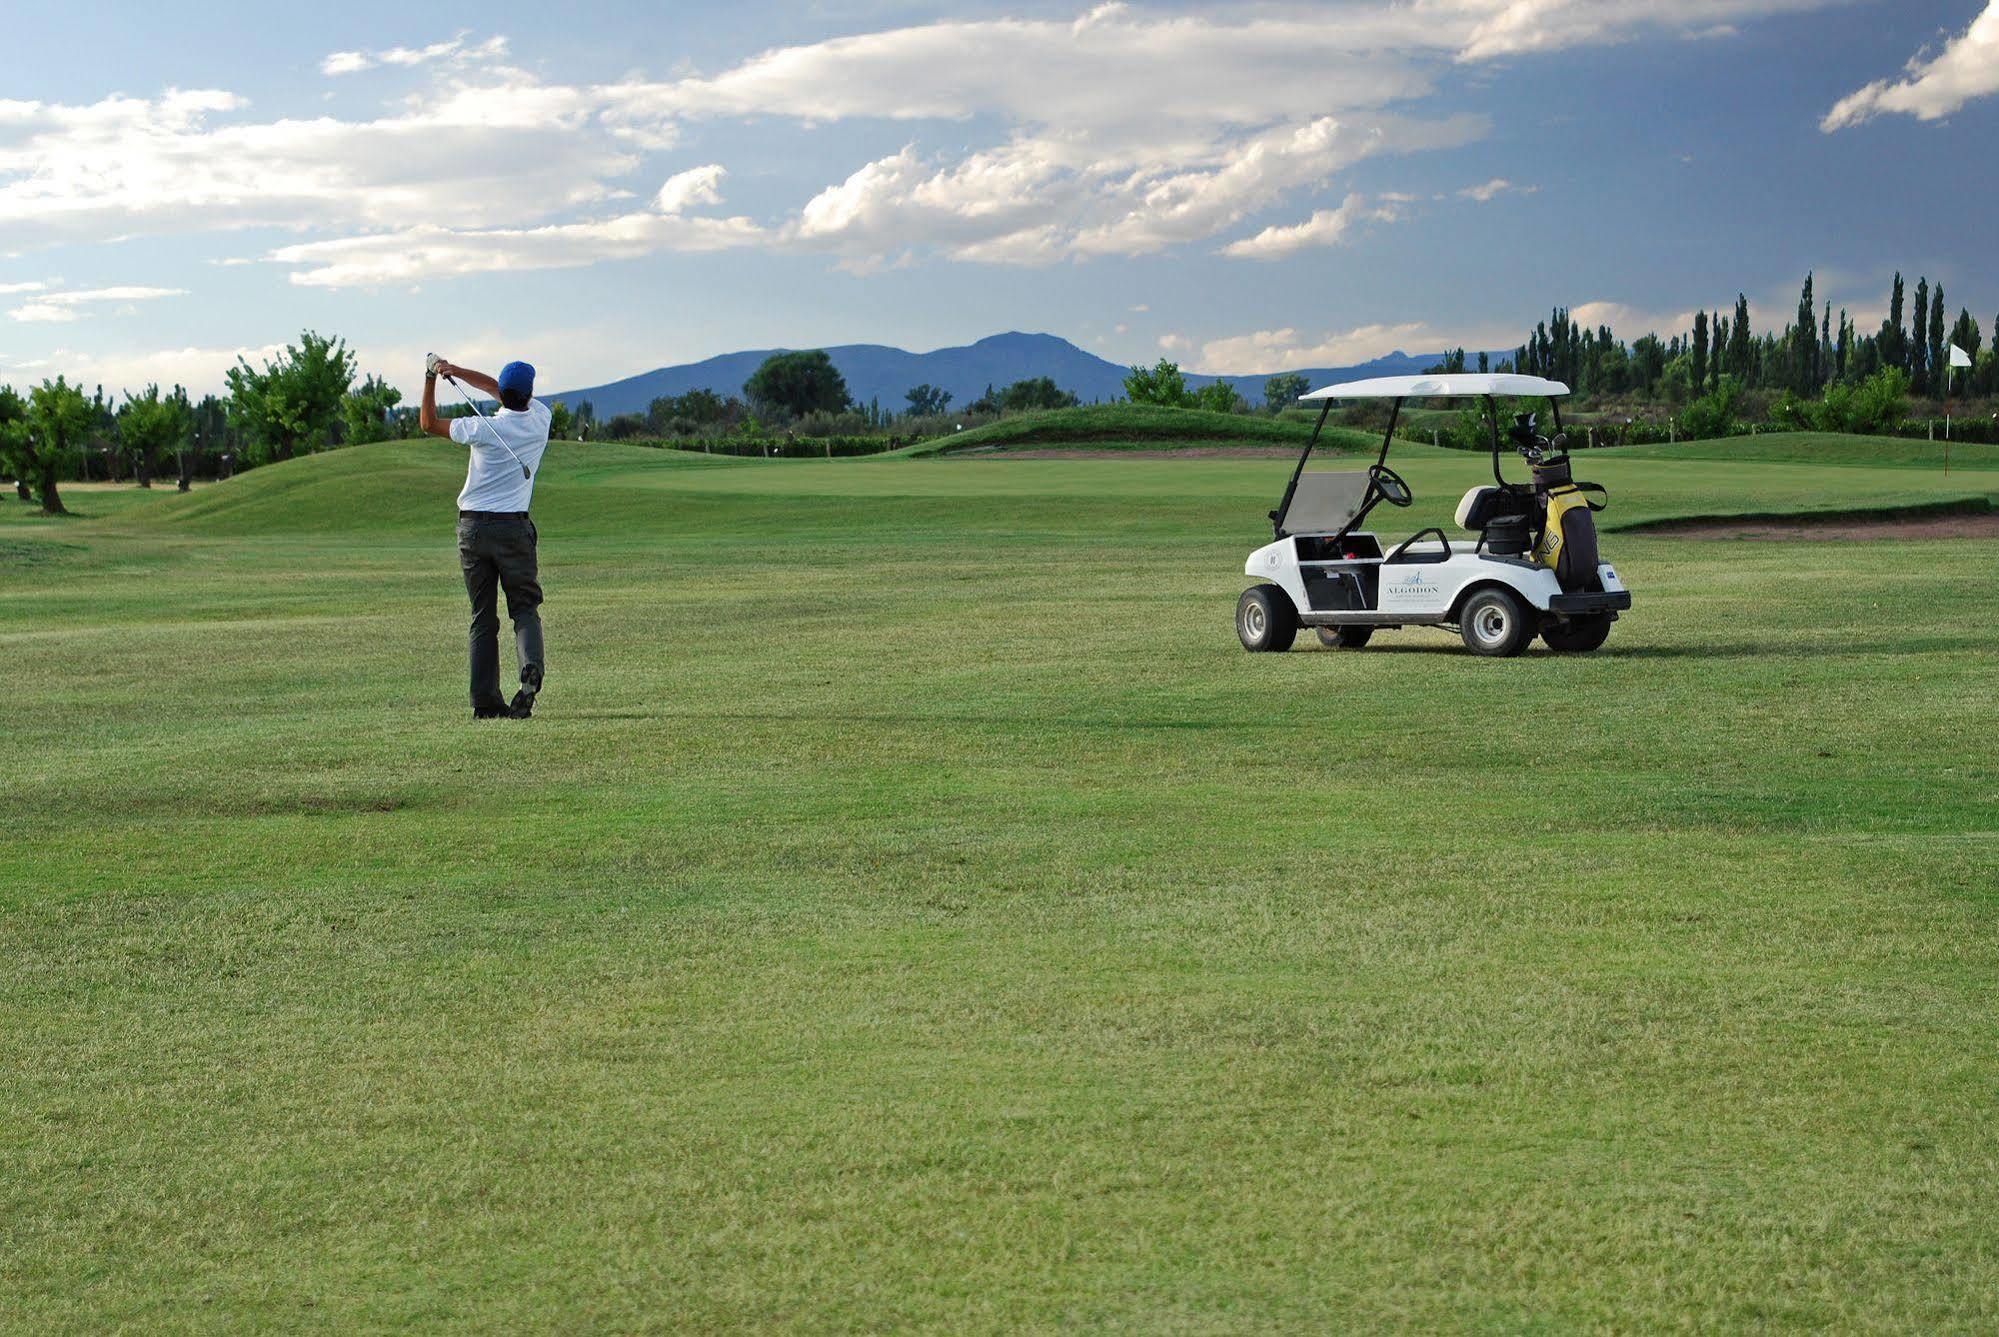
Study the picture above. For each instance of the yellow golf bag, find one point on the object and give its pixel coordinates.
(1567, 545)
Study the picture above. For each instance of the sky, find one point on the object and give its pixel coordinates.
(603, 189)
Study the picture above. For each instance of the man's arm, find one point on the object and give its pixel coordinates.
(478, 380)
(426, 416)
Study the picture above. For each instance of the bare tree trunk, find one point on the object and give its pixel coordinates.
(51, 499)
(146, 470)
(21, 490)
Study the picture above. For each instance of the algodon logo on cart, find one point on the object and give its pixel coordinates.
(1415, 583)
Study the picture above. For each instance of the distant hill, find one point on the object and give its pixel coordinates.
(874, 371)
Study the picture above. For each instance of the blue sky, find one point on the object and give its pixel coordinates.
(607, 188)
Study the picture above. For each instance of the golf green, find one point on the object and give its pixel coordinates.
(910, 908)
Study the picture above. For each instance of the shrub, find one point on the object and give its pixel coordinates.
(1875, 406)
(1219, 397)
(1161, 384)
(1714, 414)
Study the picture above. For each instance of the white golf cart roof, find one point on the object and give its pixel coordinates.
(1460, 385)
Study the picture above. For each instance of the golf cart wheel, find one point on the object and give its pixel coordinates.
(1577, 636)
(1494, 624)
(1265, 620)
(1345, 638)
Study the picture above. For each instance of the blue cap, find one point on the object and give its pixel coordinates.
(517, 378)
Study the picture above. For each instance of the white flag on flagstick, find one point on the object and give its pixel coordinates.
(1958, 357)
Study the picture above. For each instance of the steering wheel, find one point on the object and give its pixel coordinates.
(1390, 485)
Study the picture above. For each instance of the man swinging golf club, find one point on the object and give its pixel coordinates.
(496, 539)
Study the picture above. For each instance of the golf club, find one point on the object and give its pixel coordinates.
(469, 403)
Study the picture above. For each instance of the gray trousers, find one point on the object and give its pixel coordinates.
(498, 552)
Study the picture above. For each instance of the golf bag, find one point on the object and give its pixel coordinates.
(1568, 528)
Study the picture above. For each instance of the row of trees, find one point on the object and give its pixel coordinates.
(303, 400)
(1165, 384)
(805, 393)
(1814, 351)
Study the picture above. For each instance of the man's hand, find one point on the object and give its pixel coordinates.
(433, 365)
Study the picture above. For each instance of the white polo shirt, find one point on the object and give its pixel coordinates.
(493, 479)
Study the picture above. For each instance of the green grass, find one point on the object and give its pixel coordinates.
(1140, 427)
(912, 909)
(1891, 452)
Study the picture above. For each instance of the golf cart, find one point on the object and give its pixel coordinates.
(1527, 564)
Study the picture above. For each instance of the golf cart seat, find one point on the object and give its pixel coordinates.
(1483, 505)
(1323, 503)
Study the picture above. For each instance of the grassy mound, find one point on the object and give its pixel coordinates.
(397, 486)
(1137, 427)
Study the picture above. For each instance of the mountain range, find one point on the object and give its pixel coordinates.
(877, 372)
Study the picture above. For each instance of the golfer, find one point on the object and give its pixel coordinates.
(496, 539)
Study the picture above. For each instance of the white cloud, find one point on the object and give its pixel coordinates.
(1632, 322)
(1175, 343)
(429, 251)
(31, 285)
(61, 307)
(1279, 350)
(505, 149)
(42, 313)
(1967, 68)
(1493, 189)
(1106, 155)
(1514, 27)
(453, 50)
(201, 370)
(697, 185)
(1326, 227)
(1102, 147)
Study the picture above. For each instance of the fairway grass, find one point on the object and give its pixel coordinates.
(910, 908)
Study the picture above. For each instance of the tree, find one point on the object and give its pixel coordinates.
(676, 415)
(14, 440)
(1039, 392)
(1919, 339)
(366, 414)
(150, 425)
(1218, 397)
(1161, 384)
(1739, 341)
(1805, 341)
(59, 418)
(928, 401)
(1939, 355)
(1454, 362)
(210, 434)
(290, 407)
(1894, 341)
(561, 422)
(798, 384)
(1281, 392)
(1700, 349)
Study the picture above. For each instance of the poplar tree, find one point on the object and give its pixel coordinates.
(1894, 345)
(1738, 341)
(1939, 353)
(1700, 351)
(1919, 339)
(1805, 340)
